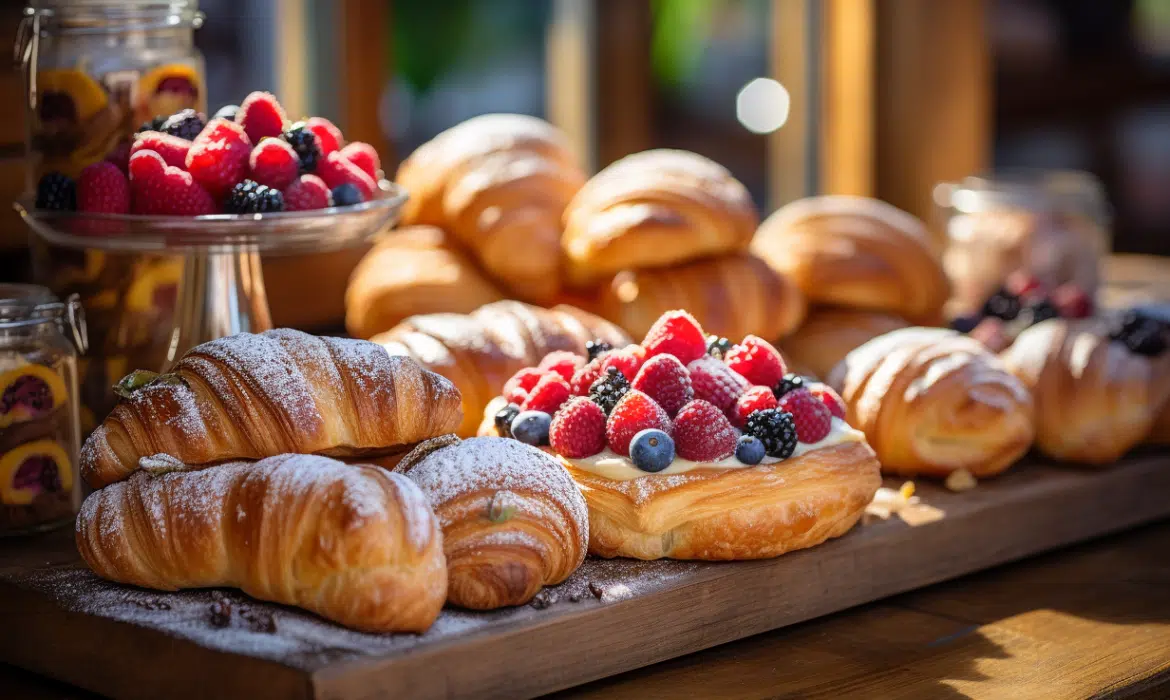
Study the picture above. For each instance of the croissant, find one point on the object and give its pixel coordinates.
(482, 350)
(655, 209)
(252, 396)
(931, 401)
(1094, 398)
(355, 544)
(499, 183)
(731, 296)
(415, 270)
(512, 518)
(858, 253)
(829, 334)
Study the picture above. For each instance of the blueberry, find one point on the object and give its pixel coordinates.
(966, 324)
(749, 449)
(531, 427)
(346, 194)
(652, 450)
(227, 112)
(504, 418)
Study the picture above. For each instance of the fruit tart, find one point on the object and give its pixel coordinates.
(691, 447)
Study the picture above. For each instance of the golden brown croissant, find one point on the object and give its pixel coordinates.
(829, 334)
(512, 518)
(655, 209)
(499, 183)
(1094, 398)
(482, 350)
(731, 296)
(415, 270)
(355, 544)
(931, 401)
(252, 396)
(858, 253)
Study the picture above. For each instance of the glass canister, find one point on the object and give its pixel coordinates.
(40, 340)
(1052, 227)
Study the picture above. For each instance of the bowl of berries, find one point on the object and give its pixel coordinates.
(219, 192)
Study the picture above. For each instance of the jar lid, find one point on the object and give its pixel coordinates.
(1035, 190)
(104, 16)
(23, 305)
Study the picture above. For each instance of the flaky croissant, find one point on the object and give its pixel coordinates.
(1095, 399)
(415, 270)
(857, 253)
(829, 334)
(931, 401)
(499, 183)
(655, 209)
(731, 296)
(512, 518)
(482, 350)
(355, 544)
(253, 396)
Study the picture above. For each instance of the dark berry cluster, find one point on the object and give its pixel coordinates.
(57, 192)
(609, 389)
(776, 429)
(1002, 305)
(250, 197)
(717, 347)
(593, 348)
(155, 124)
(185, 124)
(790, 382)
(1141, 333)
(304, 142)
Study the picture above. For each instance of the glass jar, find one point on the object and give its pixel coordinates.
(1051, 226)
(40, 339)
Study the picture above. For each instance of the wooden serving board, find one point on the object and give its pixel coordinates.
(611, 616)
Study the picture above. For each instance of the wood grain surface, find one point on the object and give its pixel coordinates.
(63, 622)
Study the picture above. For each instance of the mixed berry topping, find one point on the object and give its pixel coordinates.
(1141, 333)
(1023, 301)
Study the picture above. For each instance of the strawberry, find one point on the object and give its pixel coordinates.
(103, 188)
(562, 362)
(517, 387)
(274, 163)
(702, 433)
(628, 360)
(676, 333)
(218, 159)
(307, 192)
(812, 417)
(172, 148)
(335, 169)
(328, 136)
(548, 394)
(716, 383)
(364, 156)
(757, 361)
(578, 429)
(664, 379)
(1072, 302)
(757, 398)
(830, 398)
(584, 377)
(158, 188)
(634, 413)
(261, 115)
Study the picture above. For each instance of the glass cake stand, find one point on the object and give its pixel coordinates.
(221, 290)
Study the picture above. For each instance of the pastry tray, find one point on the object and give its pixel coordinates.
(609, 617)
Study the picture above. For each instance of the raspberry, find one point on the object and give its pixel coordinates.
(775, 429)
(628, 360)
(548, 394)
(517, 387)
(120, 156)
(1023, 284)
(584, 377)
(56, 192)
(812, 417)
(754, 399)
(158, 188)
(634, 413)
(307, 192)
(830, 398)
(364, 156)
(261, 115)
(676, 333)
(185, 124)
(328, 135)
(757, 361)
(336, 170)
(716, 383)
(273, 163)
(702, 433)
(1072, 301)
(250, 197)
(609, 389)
(218, 159)
(102, 187)
(172, 148)
(664, 379)
(578, 429)
(562, 362)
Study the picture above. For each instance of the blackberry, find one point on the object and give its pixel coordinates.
(965, 324)
(304, 142)
(155, 124)
(1042, 310)
(1002, 305)
(345, 195)
(56, 192)
(790, 382)
(250, 197)
(717, 347)
(593, 348)
(228, 112)
(1140, 333)
(609, 389)
(504, 418)
(776, 429)
(186, 124)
